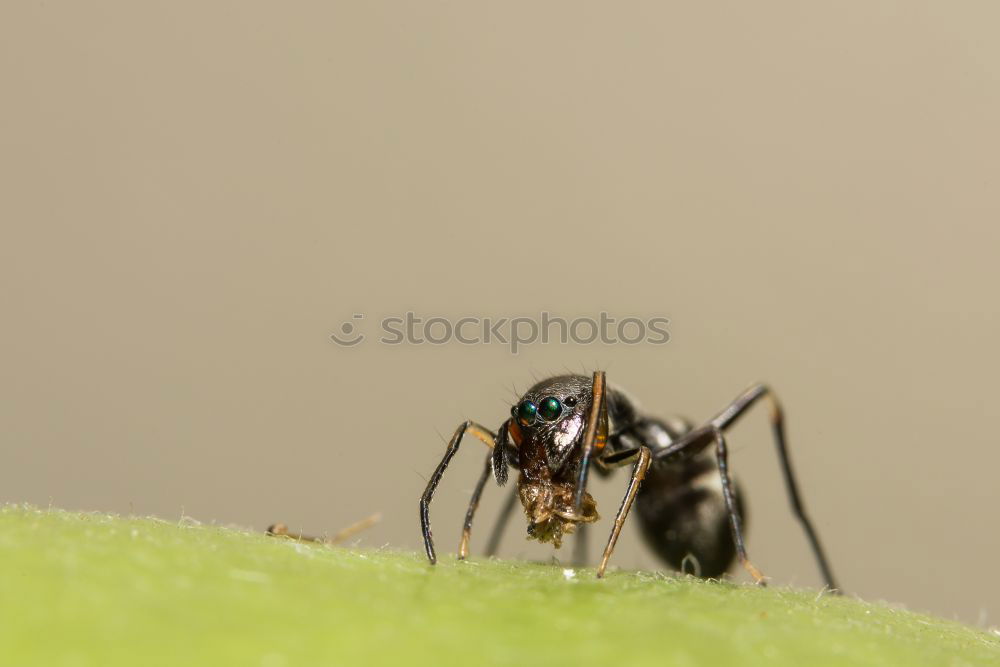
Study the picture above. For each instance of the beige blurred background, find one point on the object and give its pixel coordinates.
(195, 195)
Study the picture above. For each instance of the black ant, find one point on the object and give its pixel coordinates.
(689, 508)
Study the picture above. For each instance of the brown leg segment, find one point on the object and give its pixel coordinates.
(638, 473)
(477, 493)
(488, 438)
(595, 436)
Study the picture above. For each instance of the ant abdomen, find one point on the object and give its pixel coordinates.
(683, 517)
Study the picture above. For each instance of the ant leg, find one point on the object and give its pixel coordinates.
(488, 438)
(432, 483)
(733, 412)
(595, 435)
(501, 523)
(463, 546)
(638, 473)
(699, 438)
(729, 496)
(690, 444)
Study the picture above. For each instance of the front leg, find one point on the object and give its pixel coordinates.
(480, 432)
(595, 436)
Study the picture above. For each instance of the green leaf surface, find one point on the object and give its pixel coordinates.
(89, 589)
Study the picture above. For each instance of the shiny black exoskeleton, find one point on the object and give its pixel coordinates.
(680, 505)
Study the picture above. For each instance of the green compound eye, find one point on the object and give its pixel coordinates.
(526, 412)
(550, 409)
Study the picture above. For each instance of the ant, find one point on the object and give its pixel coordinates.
(690, 510)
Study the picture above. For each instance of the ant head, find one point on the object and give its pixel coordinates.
(553, 414)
